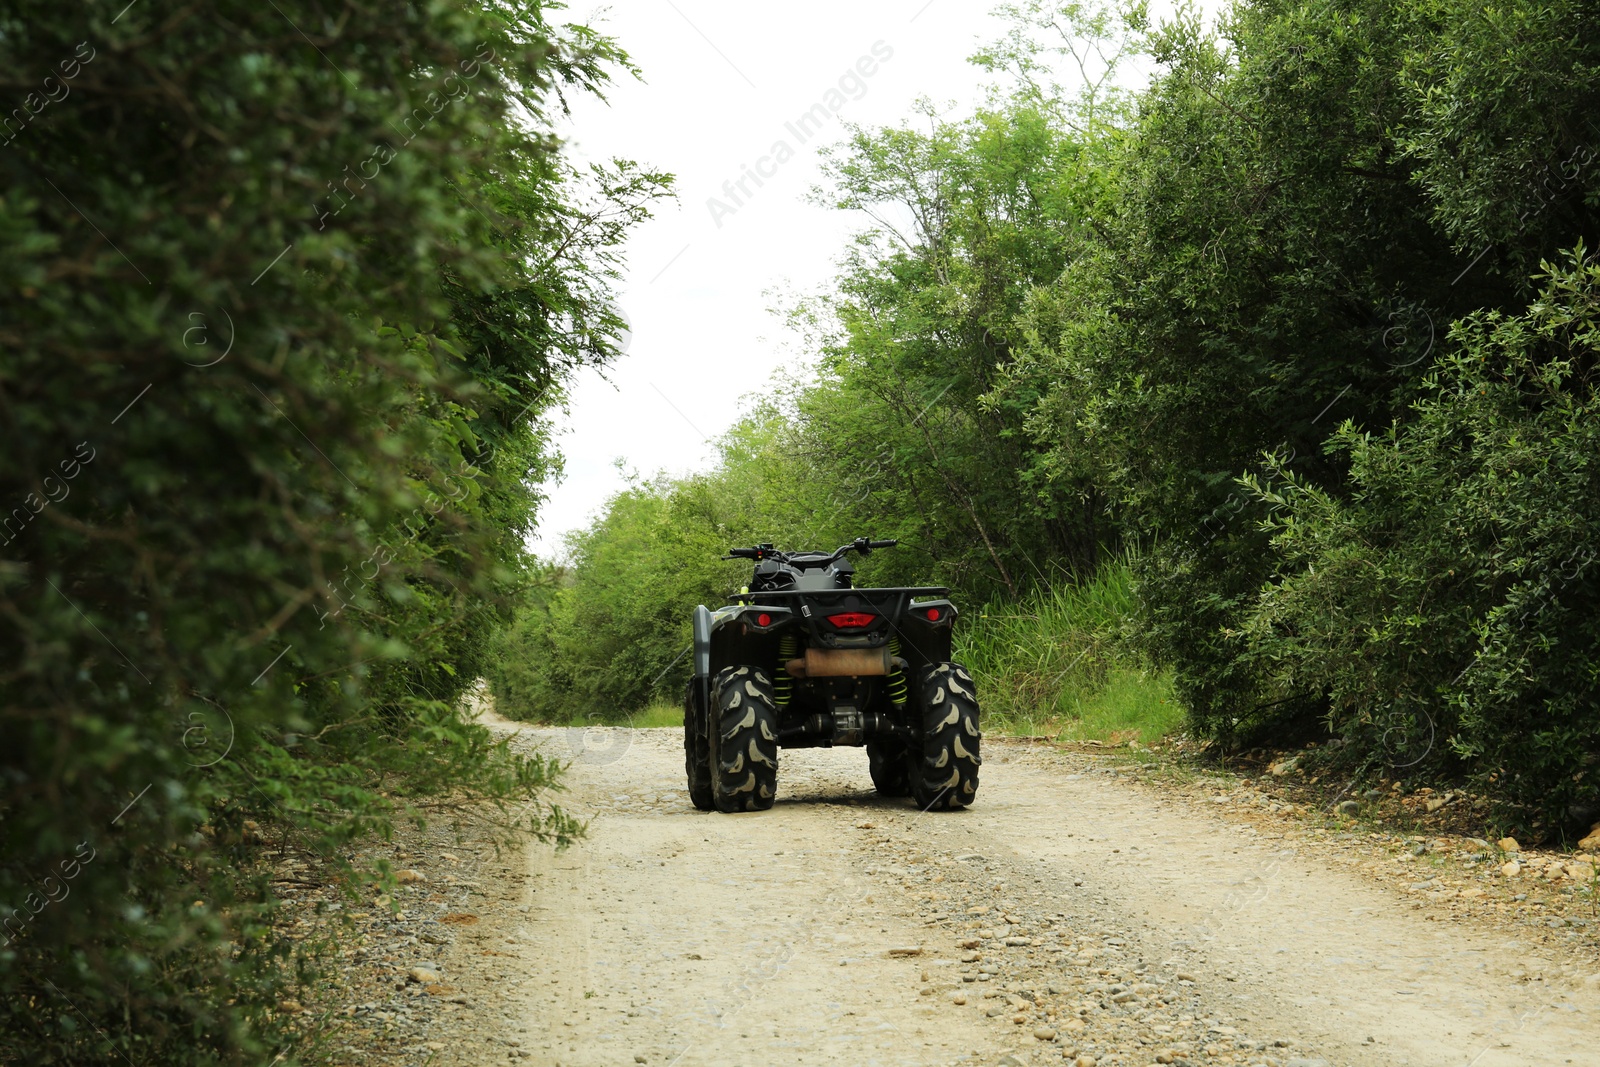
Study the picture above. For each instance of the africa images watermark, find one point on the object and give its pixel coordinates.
(33, 504)
(52, 889)
(384, 153)
(414, 525)
(852, 85)
(36, 102)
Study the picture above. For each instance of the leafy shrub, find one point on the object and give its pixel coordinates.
(1449, 607)
(275, 339)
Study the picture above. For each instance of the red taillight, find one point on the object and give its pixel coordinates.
(852, 619)
(763, 619)
(933, 614)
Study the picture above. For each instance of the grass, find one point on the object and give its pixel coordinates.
(1056, 665)
(658, 714)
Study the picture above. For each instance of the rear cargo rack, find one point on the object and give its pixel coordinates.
(913, 590)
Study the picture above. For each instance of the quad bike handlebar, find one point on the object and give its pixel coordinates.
(766, 551)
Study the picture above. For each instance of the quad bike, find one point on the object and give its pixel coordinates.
(801, 659)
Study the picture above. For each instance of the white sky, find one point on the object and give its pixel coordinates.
(721, 80)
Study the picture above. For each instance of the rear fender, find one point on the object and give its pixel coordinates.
(702, 653)
(924, 640)
(736, 637)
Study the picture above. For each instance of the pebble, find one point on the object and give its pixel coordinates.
(425, 974)
(959, 998)
(1511, 869)
(1044, 1033)
(1508, 844)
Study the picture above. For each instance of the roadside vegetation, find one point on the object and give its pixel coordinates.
(1059, 663)
(1256, 389)
(290, 293)
(1238, 379)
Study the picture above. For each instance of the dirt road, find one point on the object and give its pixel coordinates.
(1069, 916)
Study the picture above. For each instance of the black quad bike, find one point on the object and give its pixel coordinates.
(801, 659)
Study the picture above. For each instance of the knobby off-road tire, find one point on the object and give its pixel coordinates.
(697, 748)
(890, 775)
(744, 748)
(945, 773)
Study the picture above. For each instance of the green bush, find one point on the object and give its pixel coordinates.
(1449, 606)
(276, 348)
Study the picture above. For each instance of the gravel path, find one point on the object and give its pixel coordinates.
(1071, 916)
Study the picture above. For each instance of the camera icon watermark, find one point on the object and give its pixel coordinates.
(208, 736)
(597, 745)
(197, 339)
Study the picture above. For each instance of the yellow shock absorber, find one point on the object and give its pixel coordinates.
(897, 677)
(782, 684)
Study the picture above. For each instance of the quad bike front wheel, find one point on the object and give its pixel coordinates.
(744, 741)
(697, 748)
(944, 774)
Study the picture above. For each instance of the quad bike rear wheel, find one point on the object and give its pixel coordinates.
(944, 774)
(744, 742)
(697, 748)
(890, 774)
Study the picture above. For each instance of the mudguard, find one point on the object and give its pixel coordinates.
(702, 652)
